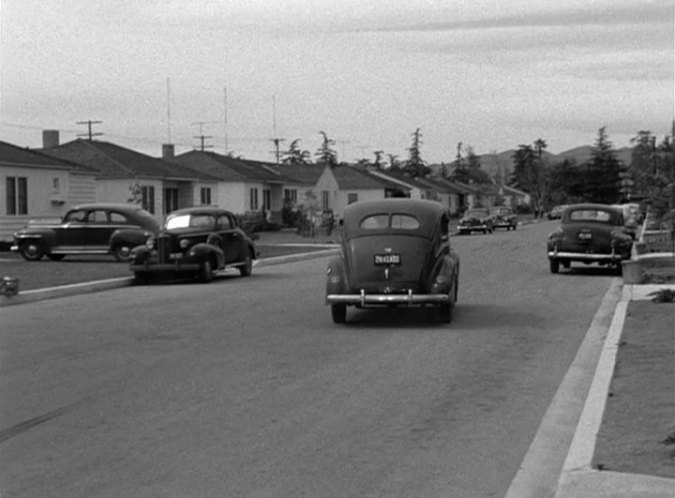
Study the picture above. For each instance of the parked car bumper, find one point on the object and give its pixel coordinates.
(471, 228)
(583, 256)
(409, 299)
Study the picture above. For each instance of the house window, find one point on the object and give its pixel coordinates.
(148, 198)
(352, 198)
(205, 196)
(325, 199)
(290, 195)
(170, 200)
(56, 185)
(267, 199)
(254, 199)
(17, 195)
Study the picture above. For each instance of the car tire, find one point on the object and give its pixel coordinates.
(56, 257)
(247, 268)
(31, 250)
(338, 313)
(445, 312)
(121, 253)
(205, 273)
(554, 265)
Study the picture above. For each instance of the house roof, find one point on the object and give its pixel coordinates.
(226, 168)
(351, 178)
(12, 155)
(307, 174)
(113, 161)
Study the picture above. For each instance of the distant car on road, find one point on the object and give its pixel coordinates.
(394, 252)
(97, 228)
(198, 242)
(556, 212)
(590, 233)
(504, 217)
(476, 220)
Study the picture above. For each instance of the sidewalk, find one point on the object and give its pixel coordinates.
(579, 477)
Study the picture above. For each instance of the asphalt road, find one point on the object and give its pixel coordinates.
(244, 387)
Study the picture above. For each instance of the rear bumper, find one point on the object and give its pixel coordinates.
(582, 256)
(470, 228)
(408, 299)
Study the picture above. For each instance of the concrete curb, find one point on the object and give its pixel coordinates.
(115, 283)
(578, 478)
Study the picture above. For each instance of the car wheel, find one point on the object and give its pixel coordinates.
(445, 312)
(247, 268)
(121, 253)
(56, 257)
(554, 265)
(206, 271)
(338, 313)
(31, 251)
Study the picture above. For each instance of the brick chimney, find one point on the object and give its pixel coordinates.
(50, 139)
(168, 151)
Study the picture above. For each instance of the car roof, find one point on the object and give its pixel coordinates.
(427, 212)
(108, 205)
(200, 210)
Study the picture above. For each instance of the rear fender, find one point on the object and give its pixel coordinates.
(129, 237)
(335, 277)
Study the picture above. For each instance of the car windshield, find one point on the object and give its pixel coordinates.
(382, 221)
(591, 215)
(189, 220)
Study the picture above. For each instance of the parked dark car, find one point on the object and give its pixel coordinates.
(503, 217)
(394, 252)
(590, 233)
(476, 220)
(197, 242)
(98, 228)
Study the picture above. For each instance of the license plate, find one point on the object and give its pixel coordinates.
(585, 236)
(387, 259)
(176, 256)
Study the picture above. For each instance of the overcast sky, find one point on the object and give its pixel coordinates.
(491, 74)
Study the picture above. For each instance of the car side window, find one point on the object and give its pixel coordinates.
(119, 219)
(97, 217)
(224, 223)
(76, 217)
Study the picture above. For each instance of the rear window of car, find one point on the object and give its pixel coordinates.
(590, 215)
(382, 221)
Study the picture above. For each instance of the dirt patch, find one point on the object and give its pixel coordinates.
(637, 431)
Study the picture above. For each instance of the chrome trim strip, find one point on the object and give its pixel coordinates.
(583, 256)
(408, 299)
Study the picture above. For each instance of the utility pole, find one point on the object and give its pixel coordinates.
(89, 134)
(202, 138)
(275, 139)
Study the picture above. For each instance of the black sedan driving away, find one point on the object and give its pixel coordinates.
(394, 252)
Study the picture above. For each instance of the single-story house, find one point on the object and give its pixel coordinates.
(339, 186)
(244, 186)
(125, 175)
(37, 186)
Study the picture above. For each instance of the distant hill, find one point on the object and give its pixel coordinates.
(491, 162)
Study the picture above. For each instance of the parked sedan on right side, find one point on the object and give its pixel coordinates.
(590, 233)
